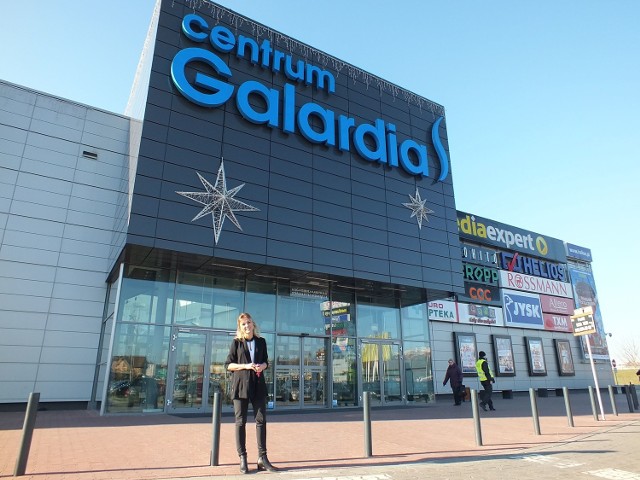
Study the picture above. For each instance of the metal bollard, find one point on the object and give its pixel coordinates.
(567, 406)
(476, 417)
(534, 411)
(27, 434)
(627, 393)
(613, 401)
(367, 424)
(215, 436)
(634, 395)
(593, 404)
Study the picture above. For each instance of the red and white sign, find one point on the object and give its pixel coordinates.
(557, 323)
(528, 283)
(560, 305)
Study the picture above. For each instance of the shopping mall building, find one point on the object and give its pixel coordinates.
(255, 173)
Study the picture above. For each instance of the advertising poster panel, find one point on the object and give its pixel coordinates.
(480, 314)
(585, 295)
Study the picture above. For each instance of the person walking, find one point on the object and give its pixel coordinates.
(247, 360)
(455, 379)
(485, 375)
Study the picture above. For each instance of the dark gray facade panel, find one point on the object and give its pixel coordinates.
(289, 200)
(191, 142)
(288, 216)
(152, 149)
(333, 258)
(331, 226)
(435, 275)
(429, 248)
(331, 210)
(405, 227)
(370, 235)
(289, 184)
(375, 207)
(195, 125)
(371, 265)
(287, 171)
(150, 167)
(338, 243)
(147, 186)
(332, 163)
(342, 184)
(404, 255)
(440, 263)
(160, 98)
(147, 206)
(243, 245)
(328, 200)
(256, 161)
(317, 199)
(250, 143)
(288, 233)
(404, 271)
(154, 131)
(171, 245)
(143, 226)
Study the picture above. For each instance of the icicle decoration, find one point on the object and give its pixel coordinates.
(307, 52)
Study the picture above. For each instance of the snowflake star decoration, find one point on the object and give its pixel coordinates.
(219, 202)
(418, 207)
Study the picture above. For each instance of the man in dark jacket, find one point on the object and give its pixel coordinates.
(485, 375)
(454, 377)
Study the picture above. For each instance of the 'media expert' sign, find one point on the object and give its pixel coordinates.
(504, 236)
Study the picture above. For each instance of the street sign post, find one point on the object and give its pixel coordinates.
(583, 323)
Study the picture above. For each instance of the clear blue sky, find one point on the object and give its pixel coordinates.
(542, 99)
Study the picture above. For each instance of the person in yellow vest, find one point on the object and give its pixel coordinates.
(485, 375)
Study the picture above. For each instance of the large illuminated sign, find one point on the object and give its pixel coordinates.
(490, 232)
(375, 142)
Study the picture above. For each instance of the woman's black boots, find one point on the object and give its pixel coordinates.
(265, 464)
(244, 467)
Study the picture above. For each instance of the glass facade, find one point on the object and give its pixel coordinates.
(327, 343)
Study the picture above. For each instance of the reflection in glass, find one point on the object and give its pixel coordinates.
(300, 309)
(261, 303)
(138, 369)
(189, 370)
(378, 317)
(145, 301)
(380, 366)
(344, 371)
(415, 325)
(287, 362)
(208, 301)
(418, 372)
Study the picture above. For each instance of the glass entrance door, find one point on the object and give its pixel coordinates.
(381, 372)
(197, 362)
(301, 372)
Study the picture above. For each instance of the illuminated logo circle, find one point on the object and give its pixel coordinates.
(541, 245)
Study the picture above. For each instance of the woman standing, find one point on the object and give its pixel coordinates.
(247, 360)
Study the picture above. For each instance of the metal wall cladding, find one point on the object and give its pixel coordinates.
(320, 209)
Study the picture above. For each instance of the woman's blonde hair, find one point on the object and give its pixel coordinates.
(240, 333)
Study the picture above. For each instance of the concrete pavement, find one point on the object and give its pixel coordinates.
(81, 445)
